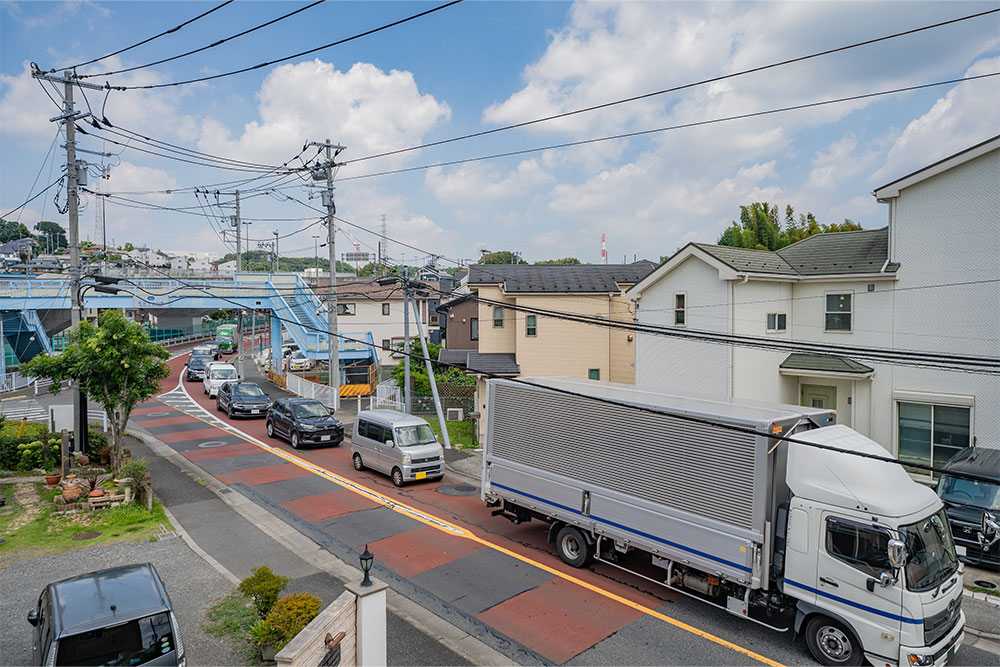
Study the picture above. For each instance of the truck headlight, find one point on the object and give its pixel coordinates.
(915, 659)
(407, 459)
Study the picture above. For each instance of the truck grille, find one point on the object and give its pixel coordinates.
(941, 623)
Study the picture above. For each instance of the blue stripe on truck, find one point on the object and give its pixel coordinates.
(730, 563)
(857, 605)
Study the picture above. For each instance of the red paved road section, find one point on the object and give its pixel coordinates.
(556, 619)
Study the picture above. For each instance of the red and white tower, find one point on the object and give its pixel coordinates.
(604, 251)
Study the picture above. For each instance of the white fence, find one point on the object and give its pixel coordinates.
(387, 396)
(306, 389)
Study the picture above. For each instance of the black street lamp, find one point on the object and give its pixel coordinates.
(367, 558)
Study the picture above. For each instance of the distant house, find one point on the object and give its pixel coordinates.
(460, 323)
(514, 342)
(929, 281)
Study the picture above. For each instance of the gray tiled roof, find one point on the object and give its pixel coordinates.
(818, 255)
(502, 363)
(559, 277)
(457, 357)
(823, 362)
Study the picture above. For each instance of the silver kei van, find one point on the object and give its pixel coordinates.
(397, 444)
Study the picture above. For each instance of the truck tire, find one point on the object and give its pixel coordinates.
(832, 644)
(573, 548)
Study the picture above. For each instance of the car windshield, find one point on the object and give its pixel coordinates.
(932, 557)
(969, 492)
(306, 410)
(407, 436)
(198, 362)
(249, 391)
(132, 643)
(224, 374)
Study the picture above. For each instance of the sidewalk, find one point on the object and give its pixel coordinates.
(235, 534)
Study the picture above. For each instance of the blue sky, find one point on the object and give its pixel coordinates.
(481, 65)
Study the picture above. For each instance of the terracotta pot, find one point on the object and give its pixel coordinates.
(84, 460)
(96, 493)
(72, 493)
(53, 480)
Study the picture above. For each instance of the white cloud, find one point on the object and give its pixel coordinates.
(476, 183)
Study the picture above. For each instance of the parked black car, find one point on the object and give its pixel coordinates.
(304, 421)
(118, 616)
(242, 399)
(196, 367)
(216, 348)
(965, 501)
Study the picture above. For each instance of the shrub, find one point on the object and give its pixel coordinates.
(135, 470)
(10, 453)
(263, 587)
(262, 632)
(30, 455)
(292, 613)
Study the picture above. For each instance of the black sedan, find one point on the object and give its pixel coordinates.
(196, 366)
(242, 399)
(304, 421)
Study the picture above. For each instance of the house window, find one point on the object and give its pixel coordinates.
(433, 320)
(861, 547)
(932, 434)
(680, 309)
(386, 344)
(594, 374)
(386, 307)
(838, 312)
(530, 325)
(347, 308)
(473, 328)
(497, 316)
(776, 321)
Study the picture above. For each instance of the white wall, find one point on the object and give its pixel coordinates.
(369, 317)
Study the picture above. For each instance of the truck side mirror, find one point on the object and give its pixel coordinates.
(897, 553)
(989, 531)
(884, 580)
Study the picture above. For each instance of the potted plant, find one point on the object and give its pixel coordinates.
(265, 636)
(52, 481)
(104, 455)
(92, 485)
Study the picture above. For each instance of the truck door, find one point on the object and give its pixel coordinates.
(852, 556)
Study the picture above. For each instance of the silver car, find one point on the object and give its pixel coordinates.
(397, 444)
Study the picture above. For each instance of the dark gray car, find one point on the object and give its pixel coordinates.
(196, 367)
(242, 399)
(965, 500)
(118, 616)
(304, 421)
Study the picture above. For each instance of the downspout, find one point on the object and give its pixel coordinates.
(885, 264)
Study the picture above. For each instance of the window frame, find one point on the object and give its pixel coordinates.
(682, 310)
(350, 309)
(386, 345)
(531, 325)
(591, 372)
(827, 312)
(933, 401)
(777, 328)
(474, 335)
(495, 319)
(857, 526)
(386, 308)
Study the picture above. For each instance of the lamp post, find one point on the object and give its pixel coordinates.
(367, 560)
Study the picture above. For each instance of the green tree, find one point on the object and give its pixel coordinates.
(759, 227)
(114, 363)
(128, 247)
(51, 234)
(501, 257)
(12, 231)
(564, 260)
(418, 369)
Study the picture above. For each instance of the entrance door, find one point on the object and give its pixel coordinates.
(818, 396)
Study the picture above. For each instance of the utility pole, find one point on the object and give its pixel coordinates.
(277, 264)
(237, 228)
(316, 258)
(406, 340)
(332, 151)
(430, 376)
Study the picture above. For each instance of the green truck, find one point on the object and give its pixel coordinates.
(225, 335)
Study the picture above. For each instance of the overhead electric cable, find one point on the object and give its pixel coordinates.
(669, 128)
(295, 55)
(32, 198)
(206, 47)
(674, 89)
(145, 41)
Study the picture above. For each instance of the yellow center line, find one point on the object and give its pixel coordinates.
(459, 531)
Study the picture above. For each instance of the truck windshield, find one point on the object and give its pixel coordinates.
(932, 552)
(970, 493)
(224, 374)
(414, 435)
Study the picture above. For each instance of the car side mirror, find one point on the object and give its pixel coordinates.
(897, 553)
(885, 580)
(389, 443)
(33, 617)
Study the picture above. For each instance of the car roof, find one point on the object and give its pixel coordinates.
(983, 461)
(391, 417)
(200, 356)
(107, 597)
(301, 401)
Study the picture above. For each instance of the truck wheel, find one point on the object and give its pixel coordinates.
(832, 644)
(572, 547)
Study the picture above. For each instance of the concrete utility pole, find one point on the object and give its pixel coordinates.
(430, 376)
(406, 340)
(277, 264)
(332, 151)
(237, 226)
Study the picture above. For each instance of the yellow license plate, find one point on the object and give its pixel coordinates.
(420, 475)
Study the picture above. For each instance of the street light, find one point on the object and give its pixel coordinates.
(367, 558)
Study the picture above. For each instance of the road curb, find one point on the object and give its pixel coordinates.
(451, 636)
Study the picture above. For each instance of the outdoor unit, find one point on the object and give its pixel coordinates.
(454, 415)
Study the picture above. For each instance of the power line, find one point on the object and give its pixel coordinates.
(295, 55)
(674, 89)
(209, 46)
(145, 41)
(32, 198)
(669, 128)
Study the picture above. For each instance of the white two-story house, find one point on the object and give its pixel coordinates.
(929, 281)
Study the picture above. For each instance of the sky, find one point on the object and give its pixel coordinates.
(474, 67)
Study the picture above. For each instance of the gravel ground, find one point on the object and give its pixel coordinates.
(191, 583)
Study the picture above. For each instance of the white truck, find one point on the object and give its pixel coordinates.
(698, 495)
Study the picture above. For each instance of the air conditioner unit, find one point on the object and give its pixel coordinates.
(454, 415)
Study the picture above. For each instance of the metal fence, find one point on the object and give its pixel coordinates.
(306, 389)
(387, 396)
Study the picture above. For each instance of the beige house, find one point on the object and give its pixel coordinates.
(517, 337)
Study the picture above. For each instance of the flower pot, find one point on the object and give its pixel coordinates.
(96, 493)
(72, 493)
(53, 480)
(267, 653)
(83, 460)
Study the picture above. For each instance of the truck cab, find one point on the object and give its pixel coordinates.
(869, 557)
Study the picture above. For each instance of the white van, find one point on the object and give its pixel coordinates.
(217, 374)
(397, 444)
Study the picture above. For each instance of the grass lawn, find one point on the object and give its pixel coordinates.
(462, 434)
(28, 525)
(231, 617)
